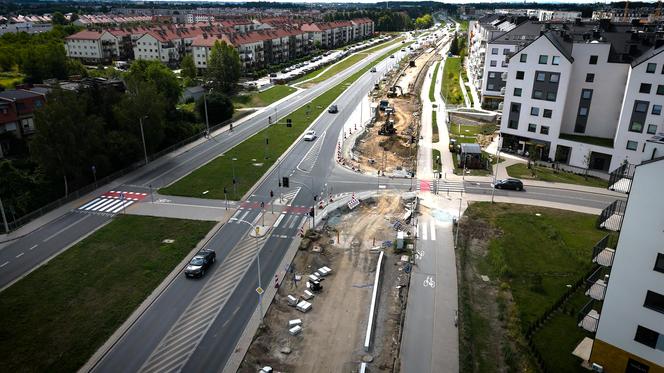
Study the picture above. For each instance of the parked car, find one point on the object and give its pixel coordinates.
(333, 109)
(392, 56)
(200, 263)
(514, 184)
(373, 69)
(310, 136)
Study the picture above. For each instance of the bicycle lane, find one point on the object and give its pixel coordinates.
(430, 338)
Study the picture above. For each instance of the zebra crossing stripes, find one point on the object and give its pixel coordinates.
(440, 186)
(426, 231)
(183, 338)
(287, 198)
(112, 202)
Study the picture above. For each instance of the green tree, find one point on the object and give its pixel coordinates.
(223, 67)
(189, 70)
(142, 100)
(165, 81)
(454, 46)
(58, 19)
(423, 22)
(68, 140)
(219, 108)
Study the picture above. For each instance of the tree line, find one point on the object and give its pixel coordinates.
(94, 131)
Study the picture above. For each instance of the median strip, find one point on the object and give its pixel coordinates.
(251, 159)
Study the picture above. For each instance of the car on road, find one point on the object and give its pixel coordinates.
(333, 109)
(514, 184)
(373, 69)
(310, 136)
(392, 56)
(200, 263)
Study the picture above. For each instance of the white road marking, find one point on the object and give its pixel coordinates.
(20, 255)
(424, 231)
(276, 223)
(244, 215)
(33, 246)
(3, 264)
(235, 215)
(382, 186)
(433, 230)
(65, 228)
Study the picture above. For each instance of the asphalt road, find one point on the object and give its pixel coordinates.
(21, 256)
(148, 343)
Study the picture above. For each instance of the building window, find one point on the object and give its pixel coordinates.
(517, 92)
(513, 124)
(632, 145)
(645, 88)
(586, 94)
(543, 59)
(534, 111)
(641, 106)
(583, 111)
(492, 75)
(515, 108)
(519, 75)
(492, 63)
(554, 78)
(494, 50)
(555, 60)
(593, 60)
(650, 69)
(547, 113)
(654, 301)
(544, 130)
(646, 336)
(551, 96)
(524, 57)
(656, 109)
(532, 127)
(659, 263)
(660, 89)
(652, 129)
(636, 126)
(541, 77)
(490, 87)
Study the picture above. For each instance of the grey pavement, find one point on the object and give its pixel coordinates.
(430, 337)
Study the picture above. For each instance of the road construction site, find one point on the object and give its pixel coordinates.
(319, 318)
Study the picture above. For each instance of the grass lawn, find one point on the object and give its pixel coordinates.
(250, 154)
(451, 90)
(345, 63)
(54, 319)
(435, 156)
(434, 127)
(537, 255)
(264, 98)
(432, 87)
(556, 340)
(521, 171)
(9, 79)
(600, 141)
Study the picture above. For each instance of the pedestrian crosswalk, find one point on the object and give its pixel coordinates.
(426, 230)
(112, 202)
(439, 186)
(181, 341)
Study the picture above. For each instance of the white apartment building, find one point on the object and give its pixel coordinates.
(557, 15)
(92, 46)
(629, 325)
(582, 96)
(153, 46)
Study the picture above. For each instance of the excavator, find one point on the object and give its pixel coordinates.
(393, 91)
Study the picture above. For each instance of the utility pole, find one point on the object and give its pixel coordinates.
(495, 172)
(234, 181)
(145, 151)
(4, 217)
(456, 237)
(207, 123)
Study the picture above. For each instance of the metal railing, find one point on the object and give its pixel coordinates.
(599, 255)
(612, 216)
(597, 283)
(586, 319)
(623, 172)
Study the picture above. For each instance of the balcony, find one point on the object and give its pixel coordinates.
(612, 216)
(620, 179)
(604, 251)
(597, 283)
(588, 317)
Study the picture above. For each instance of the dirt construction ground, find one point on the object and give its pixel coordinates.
(395, 154)
(333, 330)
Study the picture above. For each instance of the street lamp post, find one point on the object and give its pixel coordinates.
(207, 123)
(145, 151)
(234, 181)
(495, 171)
(456, 236)
(313, 201)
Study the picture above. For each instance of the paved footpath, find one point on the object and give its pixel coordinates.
(430, 339)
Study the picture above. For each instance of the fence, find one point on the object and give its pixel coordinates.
(22, 220)
(574, 169)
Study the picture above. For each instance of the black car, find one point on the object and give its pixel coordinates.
(514, 184)
(333, 109)
(200, 263)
